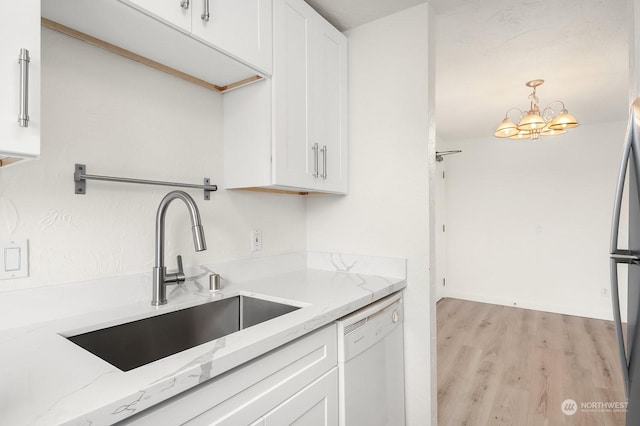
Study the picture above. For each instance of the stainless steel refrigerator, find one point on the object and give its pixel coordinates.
(629, 353)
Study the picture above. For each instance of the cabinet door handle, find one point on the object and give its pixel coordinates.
(184, 4)
(24, 60)
(205, 14)
(324, 161)
(316, 172)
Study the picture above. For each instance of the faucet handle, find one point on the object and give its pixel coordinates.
(176, 277)
(180, 278)
(180, 269)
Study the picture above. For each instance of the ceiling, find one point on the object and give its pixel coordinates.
(347, 14)
(486, 51)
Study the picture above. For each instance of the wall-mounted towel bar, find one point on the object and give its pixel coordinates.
(81, 177)
(441, 154)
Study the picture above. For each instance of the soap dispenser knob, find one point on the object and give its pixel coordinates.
(214, 282)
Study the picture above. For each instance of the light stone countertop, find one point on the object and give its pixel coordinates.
(48, 380)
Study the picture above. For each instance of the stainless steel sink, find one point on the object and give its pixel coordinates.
(133, 344)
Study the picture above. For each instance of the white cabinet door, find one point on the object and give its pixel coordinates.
(310, 93)
(329, 124)
(241, 28)
(176, 13)
(296, 152)
(315, 405)
(20, 29)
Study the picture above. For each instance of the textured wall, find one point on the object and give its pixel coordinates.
(121, 118)
(387, 210)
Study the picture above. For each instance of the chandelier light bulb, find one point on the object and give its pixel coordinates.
(531, 121)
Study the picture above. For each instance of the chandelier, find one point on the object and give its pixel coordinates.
(533, 123)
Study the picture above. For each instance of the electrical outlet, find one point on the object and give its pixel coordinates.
(256, 240)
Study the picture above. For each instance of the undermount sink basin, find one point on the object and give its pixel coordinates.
(133, 344)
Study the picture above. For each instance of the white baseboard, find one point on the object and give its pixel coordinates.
(556, 309)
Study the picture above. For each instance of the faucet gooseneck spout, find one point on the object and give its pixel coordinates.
(160, 277)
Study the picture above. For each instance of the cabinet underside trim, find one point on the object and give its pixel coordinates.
(47, 23)
(6, 161)
(274, 191)
(282, 191)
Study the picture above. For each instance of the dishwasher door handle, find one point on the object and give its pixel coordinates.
(370, 310)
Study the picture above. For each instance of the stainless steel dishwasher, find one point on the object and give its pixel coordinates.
(371, 365)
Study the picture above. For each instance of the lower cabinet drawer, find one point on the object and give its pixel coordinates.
(248, 393)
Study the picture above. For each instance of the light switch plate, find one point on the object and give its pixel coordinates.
(14, 258)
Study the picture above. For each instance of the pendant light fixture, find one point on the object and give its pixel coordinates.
(533, 123)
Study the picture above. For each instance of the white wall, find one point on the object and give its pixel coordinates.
(124, 119)
(528, 223)
(387, 210)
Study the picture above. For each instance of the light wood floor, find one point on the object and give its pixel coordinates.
(509, 366)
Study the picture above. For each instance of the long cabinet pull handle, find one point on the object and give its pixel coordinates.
(324, 161)
(184, 4)
(23, 60)
(205, 14)
(316, 168)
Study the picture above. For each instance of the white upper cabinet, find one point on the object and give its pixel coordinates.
(20, 81)
(240, 28)
(310, 93)
(163, 31)
(290, 132)
(176, 13)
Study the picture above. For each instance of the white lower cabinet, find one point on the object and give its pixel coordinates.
(315, 405)
(294, 384)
